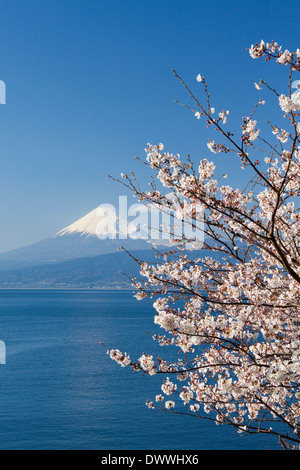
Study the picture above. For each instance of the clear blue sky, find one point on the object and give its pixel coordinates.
(89, 83)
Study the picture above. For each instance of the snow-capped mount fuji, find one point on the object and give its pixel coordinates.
(98, 232)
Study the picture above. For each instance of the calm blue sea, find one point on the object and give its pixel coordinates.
(59, 389)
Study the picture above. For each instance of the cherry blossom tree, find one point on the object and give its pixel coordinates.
(233, 312)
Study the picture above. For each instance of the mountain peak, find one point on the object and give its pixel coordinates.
(87, 225)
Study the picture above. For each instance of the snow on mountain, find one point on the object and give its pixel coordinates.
(98, 232)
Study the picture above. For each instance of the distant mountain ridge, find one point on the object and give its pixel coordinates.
(106, 271)
(67, 247)
(83, 238)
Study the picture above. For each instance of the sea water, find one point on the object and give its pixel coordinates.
(60, 390)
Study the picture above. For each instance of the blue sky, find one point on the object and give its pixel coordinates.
(89, 83)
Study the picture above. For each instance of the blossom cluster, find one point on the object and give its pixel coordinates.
(232, 311)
